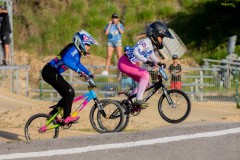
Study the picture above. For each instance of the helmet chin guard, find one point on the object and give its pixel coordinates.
(158, 29)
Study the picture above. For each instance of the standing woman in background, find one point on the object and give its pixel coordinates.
(114, 29)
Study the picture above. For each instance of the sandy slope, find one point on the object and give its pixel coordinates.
(15, 110)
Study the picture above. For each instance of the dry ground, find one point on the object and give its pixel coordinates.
(15, 110)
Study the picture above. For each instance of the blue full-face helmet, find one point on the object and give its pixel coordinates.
(83, 38)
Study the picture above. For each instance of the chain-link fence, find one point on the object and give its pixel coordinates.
(199, 83)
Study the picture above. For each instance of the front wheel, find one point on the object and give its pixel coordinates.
(176, 112)
(109, 119)
(36, 128)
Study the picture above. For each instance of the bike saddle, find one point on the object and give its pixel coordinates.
(54, 106)
(125, 92)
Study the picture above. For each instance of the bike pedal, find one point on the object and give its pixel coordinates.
(75, 121)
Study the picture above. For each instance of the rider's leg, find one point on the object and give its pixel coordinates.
(63, 88)
(142, 85)
(135, 72)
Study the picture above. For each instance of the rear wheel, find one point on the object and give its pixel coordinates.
(180, 109)
(109, 119)
(32, 129)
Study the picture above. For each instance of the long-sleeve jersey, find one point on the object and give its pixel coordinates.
(69, 58)
(142, 51)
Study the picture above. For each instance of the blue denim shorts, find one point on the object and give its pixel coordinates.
(112, 44)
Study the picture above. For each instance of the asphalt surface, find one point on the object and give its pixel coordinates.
(220, 147)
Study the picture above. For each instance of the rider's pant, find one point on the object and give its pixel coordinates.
(52, 77)
(137, 73)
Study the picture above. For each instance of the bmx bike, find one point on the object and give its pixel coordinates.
(43, 126)
(174, 105)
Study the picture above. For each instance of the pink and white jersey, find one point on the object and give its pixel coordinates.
(142, 51)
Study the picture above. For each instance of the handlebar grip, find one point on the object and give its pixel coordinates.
(82, 74)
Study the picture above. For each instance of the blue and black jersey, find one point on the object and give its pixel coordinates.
(69, 58)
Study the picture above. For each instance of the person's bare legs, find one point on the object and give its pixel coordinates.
(7, 51)
(119, 51)
(109, 57)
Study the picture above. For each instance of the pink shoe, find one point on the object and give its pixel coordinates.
(71, 119)
(43, 129)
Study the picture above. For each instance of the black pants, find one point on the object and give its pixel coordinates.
(52, 77)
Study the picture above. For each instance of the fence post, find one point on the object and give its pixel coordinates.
(192, 93)
(16, 85)
(27, 83)
(201, 85)
(237, 95)
(196, 87)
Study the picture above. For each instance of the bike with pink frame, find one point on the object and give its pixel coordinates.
(43, 126)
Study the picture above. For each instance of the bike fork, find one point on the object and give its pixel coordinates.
(169, 99)
(100, 107)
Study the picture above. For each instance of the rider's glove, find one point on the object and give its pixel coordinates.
(90, 75)
(81, 74)
(150, 63)
(163, 65)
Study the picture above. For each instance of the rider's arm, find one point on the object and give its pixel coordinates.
(73, 61)
(82, 68)
(154, 58)
(136, 53)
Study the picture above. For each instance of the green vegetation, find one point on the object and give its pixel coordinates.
(44, 27)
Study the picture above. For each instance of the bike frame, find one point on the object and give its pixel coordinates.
(87, 96)
(155, 87)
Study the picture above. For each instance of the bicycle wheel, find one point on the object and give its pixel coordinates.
(33, 125)
(113, 119)
(180, 109)
(126, 116)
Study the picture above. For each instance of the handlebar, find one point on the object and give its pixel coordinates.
(161, 72)
(89, 80)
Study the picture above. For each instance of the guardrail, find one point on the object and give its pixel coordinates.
(10, 78)
(199, 83)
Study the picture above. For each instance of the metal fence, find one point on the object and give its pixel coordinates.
(16, 78)
(199, 83)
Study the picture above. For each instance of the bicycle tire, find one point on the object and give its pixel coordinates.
(31, 130)
(126, 117)
(173, 110)
(98, 121)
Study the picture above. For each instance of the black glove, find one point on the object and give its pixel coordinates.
(150, 63)
(163, 65)
(90, 75)
(81, 74)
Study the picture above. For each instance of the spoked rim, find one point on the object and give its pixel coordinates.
(180, 109)
(112, 121)
(36, 129)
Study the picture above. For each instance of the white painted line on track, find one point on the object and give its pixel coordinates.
(118, 145)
